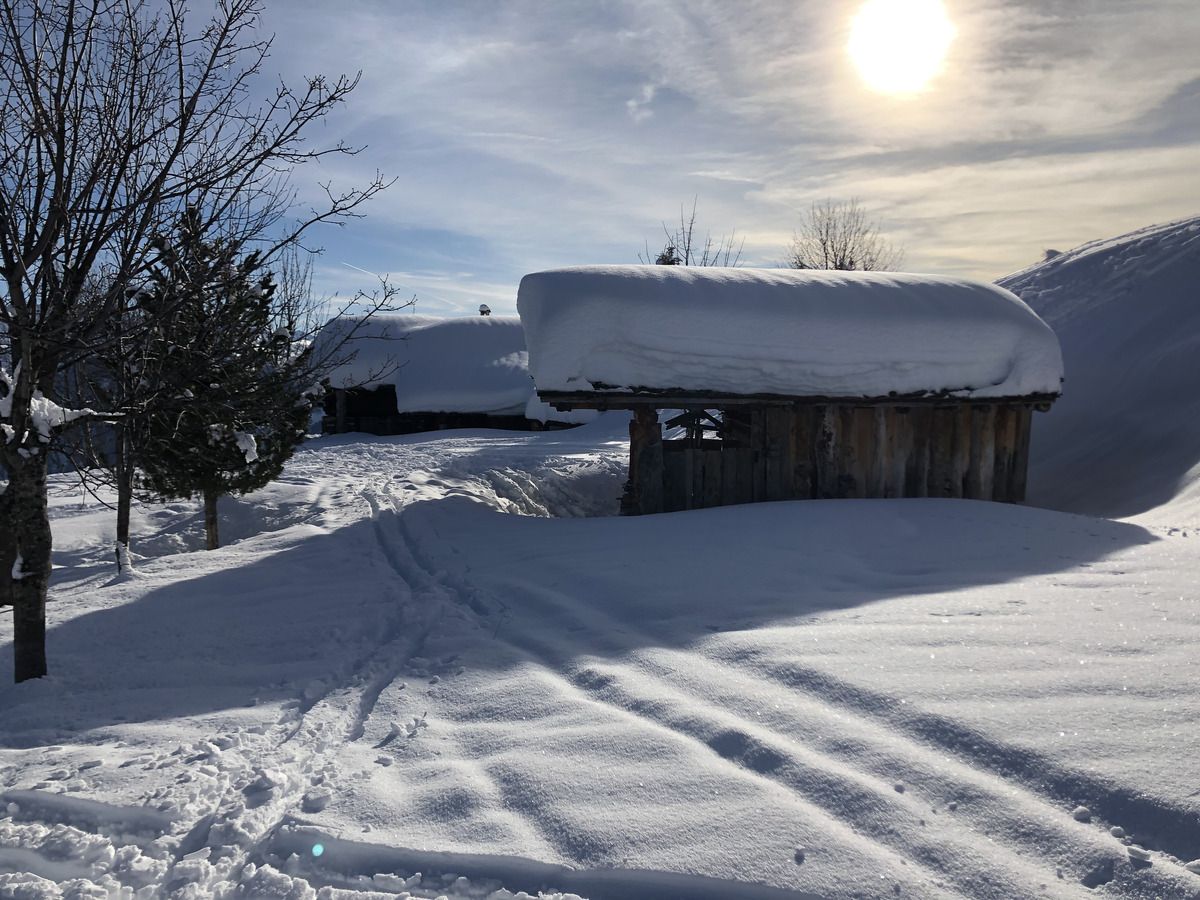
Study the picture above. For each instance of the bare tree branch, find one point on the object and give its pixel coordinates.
(684, 247)
(115, 118)
(838, 235)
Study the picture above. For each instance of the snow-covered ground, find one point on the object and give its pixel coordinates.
(439, 666)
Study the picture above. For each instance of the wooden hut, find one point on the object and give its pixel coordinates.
(401, 374)
(795, 385)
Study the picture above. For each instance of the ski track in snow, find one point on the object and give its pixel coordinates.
(209, 831)
(954, 784)
(826, 784)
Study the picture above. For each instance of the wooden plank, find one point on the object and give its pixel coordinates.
(711, 493)
(729, 475)
(828, 423)
(744, 467)
(1006, 437)
(899, 429)
(803, 453)
(986, 463)
(960, 454)
(941, 447)
(758, 443)
(645, 462)
(674, 488)
(879, 459)
(1020, 465)
(972, 473)
(689, 478)
(606, 398)
(916, 464)
(857, 451)
(776, 436)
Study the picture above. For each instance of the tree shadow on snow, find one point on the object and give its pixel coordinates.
(300, 621)
(668, 580)
(274, 627)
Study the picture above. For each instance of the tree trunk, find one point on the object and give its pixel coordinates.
(212, 542)
(124, 466)
(25, 562)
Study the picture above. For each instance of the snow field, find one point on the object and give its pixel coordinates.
(918, 694)
(441, 662)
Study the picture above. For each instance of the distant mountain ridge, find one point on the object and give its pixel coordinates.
(1125, 437)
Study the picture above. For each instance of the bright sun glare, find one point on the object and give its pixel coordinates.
(898, 45)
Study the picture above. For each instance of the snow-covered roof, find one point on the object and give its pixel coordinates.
(475, 364)
(782, 331)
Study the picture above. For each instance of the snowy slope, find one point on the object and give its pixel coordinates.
(1125, 436)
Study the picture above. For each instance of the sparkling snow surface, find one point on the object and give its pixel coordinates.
(474, 364)
(438, 666)
(781, 331)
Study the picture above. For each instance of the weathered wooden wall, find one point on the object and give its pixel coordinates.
(412, 423)
(973, 450)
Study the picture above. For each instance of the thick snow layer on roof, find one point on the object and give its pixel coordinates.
(782, 331)
(476, 364)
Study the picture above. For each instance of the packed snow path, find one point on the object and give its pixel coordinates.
(388, 663)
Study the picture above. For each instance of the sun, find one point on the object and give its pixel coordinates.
(898, 45)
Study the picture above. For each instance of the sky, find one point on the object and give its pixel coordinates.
(531, 134)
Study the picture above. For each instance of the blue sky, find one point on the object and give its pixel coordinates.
(529, 134)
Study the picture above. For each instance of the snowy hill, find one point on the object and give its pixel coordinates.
(1125, 436)
(439, 665)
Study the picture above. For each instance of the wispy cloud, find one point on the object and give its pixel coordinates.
(526, 134)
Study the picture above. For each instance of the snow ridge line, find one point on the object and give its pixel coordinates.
(516, 873)
(758, 755)
(1036, 773)
(818, 777)
(840, 786)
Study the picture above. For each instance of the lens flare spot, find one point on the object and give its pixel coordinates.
(318, 849)
(898, 45)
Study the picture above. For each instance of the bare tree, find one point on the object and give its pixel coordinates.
(838, 235)
(686, 248)
(113, 120)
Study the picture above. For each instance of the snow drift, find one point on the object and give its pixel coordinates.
(782, 331)
(1124, 436)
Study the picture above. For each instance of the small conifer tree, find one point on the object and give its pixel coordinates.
(232, 402)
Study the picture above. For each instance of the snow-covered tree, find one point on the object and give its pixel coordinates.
(113, 119)
(233, 393)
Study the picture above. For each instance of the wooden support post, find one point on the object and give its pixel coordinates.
(1020, 462)
(1006, 439)
(644, 490)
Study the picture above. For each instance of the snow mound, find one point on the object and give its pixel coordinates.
(782, 331)
(475, 364)
(1125, 436)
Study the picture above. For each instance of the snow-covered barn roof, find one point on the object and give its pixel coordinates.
(781, 331)
(474, 364)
